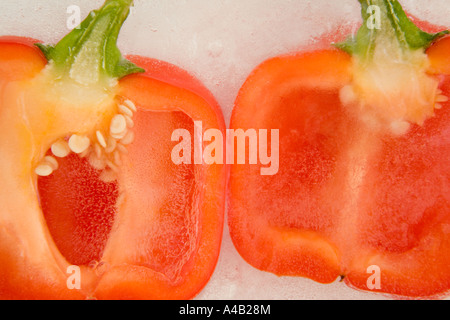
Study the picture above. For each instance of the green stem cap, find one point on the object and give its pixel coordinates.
(386, 20)
(89, 53)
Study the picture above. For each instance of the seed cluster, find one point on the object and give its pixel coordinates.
(348, 96)
(103, 151)
(440, 98)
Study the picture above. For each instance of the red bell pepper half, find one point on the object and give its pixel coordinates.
(363, 189)
(91, 204)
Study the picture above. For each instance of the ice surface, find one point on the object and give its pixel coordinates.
(220, 42)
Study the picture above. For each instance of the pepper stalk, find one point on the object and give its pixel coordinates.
(89, 53)
(391, 87)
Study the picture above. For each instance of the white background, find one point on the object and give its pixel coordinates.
(220, 42)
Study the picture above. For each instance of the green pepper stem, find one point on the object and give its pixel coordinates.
(385, 22)
(89, 53)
